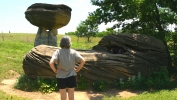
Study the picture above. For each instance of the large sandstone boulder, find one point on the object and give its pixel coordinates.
(48, 16)
(142, 54)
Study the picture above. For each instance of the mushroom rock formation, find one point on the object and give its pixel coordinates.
(141, 54)
(48, 18)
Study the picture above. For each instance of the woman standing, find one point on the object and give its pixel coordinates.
(66, 72)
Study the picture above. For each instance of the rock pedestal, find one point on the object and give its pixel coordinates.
(48, 18)
(46, 37)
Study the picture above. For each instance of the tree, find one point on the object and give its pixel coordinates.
(104, 33)
(151, 17)
(135, 16)
(86, 30)
(70, 33)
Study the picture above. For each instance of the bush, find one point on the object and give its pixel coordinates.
(47, 85)
(26, 84)
(38, 84)
(99, 85)
(157, 80)
(131, 83)
(82, 84)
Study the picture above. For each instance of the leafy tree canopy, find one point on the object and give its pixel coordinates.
(137, 16)
(86, 29)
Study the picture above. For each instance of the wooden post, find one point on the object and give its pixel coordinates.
(2, 38)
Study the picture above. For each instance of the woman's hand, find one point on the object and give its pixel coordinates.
(56, 71)
(51, 63)
(82, 62)
(76, 69)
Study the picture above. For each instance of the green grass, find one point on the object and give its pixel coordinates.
(13, 47)
(82, 42)
(155, 95)
(4, 96)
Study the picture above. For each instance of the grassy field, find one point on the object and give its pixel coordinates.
(13, 47)
(155, 95)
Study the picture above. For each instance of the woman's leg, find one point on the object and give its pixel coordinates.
(71, 93)
(61, 84)
(63, 94)
(71, 85)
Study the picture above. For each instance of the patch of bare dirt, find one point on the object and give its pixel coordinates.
(7, 86)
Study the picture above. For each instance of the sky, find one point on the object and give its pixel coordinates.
(12, 15)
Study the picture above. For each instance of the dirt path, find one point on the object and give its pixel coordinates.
(7, 86)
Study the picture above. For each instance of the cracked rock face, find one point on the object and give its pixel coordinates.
(141, 54)
(48, 15)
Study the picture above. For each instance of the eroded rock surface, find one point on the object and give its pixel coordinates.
(48, 18)
(143, 54)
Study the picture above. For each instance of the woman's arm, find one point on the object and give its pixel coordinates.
(51, 63)
(82, 62)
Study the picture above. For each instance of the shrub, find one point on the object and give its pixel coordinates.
(38, 84)
(47, 85)
(135, 82)
(82, 84)
(156, 80)
(27, 84)
(159, 79)
(99, 85)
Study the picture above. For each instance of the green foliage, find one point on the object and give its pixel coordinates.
(4, 96)
(82, 84)
(26, 84)
(101, 34)
(132, 83)
(86, 30)
(12, 50)
(172, 46)
(121, 83)
(38, 84)
(136, 82)
(70, 33)
(155, 95)
(107, 32)
(136, 16)
(157, 80)
(99, 85)
(47, 85)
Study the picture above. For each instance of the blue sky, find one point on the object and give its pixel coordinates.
(12, 15)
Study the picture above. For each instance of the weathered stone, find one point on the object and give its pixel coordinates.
(46, 37)
(144, 54)
(48, 17)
